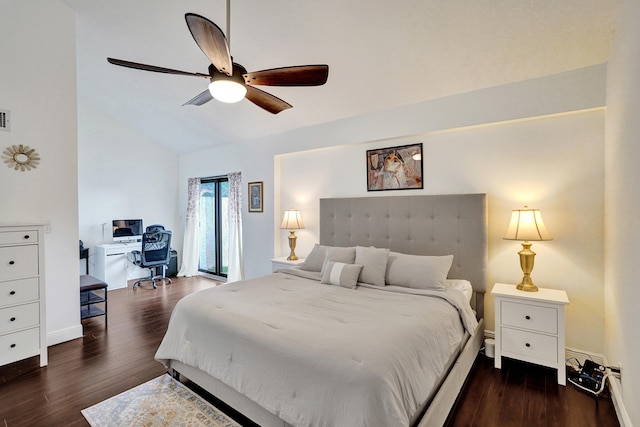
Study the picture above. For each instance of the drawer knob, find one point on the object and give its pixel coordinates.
(11, 262)
(527, 317)
(12, 346)
(12, 293)
(26, 236)
(13, 319)
(528, 345)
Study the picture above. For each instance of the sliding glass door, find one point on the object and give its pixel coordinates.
(214, 226)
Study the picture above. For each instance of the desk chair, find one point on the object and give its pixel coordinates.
(156, 253)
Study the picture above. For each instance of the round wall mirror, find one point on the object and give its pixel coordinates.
(21, 157)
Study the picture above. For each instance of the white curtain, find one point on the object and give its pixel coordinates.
(191, 245)
(236, 261)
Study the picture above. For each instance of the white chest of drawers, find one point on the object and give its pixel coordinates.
(22, 293)
(530, 326)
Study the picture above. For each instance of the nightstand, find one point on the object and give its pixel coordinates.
(283, 262)
(530, 327)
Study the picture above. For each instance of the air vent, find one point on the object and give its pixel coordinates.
(5, 120)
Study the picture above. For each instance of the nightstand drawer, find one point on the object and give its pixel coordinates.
(529, 344)
(19, 345)
(532, 317)
(19, 291)
(19, 317)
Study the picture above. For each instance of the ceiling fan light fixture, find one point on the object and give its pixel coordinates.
(227, 91)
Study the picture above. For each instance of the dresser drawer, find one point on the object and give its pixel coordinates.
(17, 237)
(19, 291)
(532, 317)
(18, 262)
(523, 343)
(19, 317)
(19, 345)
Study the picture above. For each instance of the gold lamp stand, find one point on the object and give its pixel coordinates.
(292, 222)
(525, 225)
(292, 245)
(527, 257)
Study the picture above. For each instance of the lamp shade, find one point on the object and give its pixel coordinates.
(292, 220)
(527, 225)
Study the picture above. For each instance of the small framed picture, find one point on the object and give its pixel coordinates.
(395, 168)
(255, 196)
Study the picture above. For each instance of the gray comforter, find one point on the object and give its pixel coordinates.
(321, 355)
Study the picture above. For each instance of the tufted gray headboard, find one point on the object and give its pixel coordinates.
(420, 225)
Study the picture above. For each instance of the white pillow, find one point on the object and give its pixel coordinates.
(341, 274)
(374, 264)
(315, 260)
(417, 271)
(339, 254)
(463, 286)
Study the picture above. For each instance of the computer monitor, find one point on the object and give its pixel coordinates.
(127, 230)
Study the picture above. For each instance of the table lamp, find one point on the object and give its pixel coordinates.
(526, 224)
(292, 221)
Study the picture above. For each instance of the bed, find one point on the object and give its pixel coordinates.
(290, 349)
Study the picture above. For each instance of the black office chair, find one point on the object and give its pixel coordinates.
(156, 253)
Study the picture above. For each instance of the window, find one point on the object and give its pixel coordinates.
(214, 227)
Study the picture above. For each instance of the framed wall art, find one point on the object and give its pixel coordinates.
(395, 168)
(255, 196)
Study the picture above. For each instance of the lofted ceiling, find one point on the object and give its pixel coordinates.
(381, 55)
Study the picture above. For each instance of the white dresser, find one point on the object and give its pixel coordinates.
(530, 327)
(22, 293)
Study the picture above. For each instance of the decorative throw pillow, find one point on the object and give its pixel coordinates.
(374, 264)
(315, 260)
(417, 271)
(339, 254)
(341, 274)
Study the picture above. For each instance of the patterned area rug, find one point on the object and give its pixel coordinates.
(162, 401)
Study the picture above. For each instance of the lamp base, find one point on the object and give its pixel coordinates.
(527, 257)
(292, 245)
(527, 285)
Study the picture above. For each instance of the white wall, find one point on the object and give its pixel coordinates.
(38, 86)
(122, 175)
(552, 163)
(622, 204)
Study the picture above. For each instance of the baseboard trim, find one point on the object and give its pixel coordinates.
(62, 335)
(582, 355)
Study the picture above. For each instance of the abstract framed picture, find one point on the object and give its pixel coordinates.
(255, 196)
(395, 168)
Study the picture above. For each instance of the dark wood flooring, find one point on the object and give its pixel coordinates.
(108, 361)
(525, 395)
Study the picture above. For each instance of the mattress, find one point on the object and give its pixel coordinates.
(321, 355)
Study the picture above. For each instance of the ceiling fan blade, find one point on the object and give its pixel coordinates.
(265, 100)
(301, 75)
(153, 68)
(200, 98)
(211, 40)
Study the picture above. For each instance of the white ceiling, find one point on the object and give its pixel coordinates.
(381, 55)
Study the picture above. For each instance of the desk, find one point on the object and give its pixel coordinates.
(112, 265)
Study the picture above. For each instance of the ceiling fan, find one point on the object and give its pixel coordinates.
(230, 81)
